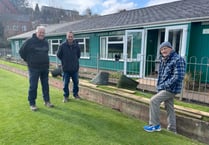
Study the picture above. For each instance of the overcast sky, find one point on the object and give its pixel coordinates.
(101, 7)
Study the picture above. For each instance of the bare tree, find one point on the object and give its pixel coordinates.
(20, 3)
(88, 12)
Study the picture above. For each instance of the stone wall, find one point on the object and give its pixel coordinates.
(187, 126)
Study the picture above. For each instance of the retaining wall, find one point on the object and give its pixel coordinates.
(187, 126)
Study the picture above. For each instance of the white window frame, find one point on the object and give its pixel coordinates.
(131, 51)
(104, 50)
(184, 28)
(17, 46)
(84, 54)
(51, 46)
(24, 28)
(15, 27)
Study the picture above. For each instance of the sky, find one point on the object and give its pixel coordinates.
(101, 7)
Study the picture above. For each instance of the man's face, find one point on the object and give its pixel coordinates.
(40, 34)
(165, 51)
(70, 37)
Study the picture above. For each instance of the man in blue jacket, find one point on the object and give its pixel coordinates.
(171, 74)
(69, 54)
(35, 53)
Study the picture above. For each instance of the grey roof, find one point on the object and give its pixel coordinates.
(179, 11)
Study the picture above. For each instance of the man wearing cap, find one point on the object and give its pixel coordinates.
(171, 74)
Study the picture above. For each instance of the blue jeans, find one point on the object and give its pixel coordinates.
(34, 75)
(66, 81)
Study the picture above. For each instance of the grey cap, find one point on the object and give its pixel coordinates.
(165, 44)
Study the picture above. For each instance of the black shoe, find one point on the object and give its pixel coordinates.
(48, 104)
(77, 97)
(65, 100)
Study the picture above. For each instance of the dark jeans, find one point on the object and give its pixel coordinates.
(34, 75)
(66, 81)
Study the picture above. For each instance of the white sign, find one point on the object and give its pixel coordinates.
(205, 31)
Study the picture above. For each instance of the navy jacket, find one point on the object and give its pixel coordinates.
(35, 52)
(69, 55)
(171, 73)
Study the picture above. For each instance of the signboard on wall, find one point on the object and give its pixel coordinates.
(205, 31)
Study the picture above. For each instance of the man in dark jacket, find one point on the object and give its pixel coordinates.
(35, 53)
(69, 54)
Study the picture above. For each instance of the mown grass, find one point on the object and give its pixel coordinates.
(138, 93)
(15, 65)
(78, 122)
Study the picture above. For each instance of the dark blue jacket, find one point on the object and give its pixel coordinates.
(69, 55)
(35, 52)
(171, 73)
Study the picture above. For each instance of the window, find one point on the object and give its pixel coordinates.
(111, 46)
(24, 28)
(130, 47)
(54, 45)
(15, 28)
(174, 37)
(17, 46)
(8, 27)
(84, 46)
(103, 48)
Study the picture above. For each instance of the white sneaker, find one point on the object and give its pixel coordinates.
(33, 108)
(65, 100)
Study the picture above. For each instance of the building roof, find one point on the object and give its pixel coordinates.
(175, 12)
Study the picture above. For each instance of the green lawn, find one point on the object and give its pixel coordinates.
(138, 93)
(78, 122)
(15, 65)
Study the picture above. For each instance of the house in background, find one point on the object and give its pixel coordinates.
(14, 23)
(128, 41)
(49, 13)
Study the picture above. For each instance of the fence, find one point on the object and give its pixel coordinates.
(5, 52)
(195, 85)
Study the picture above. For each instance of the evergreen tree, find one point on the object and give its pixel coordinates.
(37, 12)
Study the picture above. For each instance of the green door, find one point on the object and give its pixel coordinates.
(134, 53)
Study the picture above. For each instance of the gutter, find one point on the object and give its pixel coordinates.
(125, 27)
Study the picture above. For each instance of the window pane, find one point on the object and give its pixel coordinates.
(129, 46)
(103, 48)
(87, 47)
(82, 49)
(55, 41)
(79, 40)
(55, 48)
(115, 38)
(114, 49)
(50, 46)
(54, 45)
